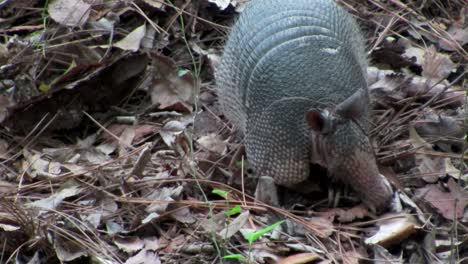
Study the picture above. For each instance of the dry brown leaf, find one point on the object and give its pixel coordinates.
(133, 40)
(300, 258)
(348, 215)
(457, 31)
(355, 256)
(431, 168)
(213, 143)
(184, 215)
(68, 189)
(175, 243)
(73, 13)
(129, 243)
(126, 139)
(454, 172)
(144, 256)
(68, 250)
(445, 129)
(162, 197)
(393, 230)
(325, 224)
(7, 187)
(155, 3)
(236, 224)
(450, 204)
(173, 128)
(384, 83)
(414, 53)
(152, 243)
(140, 131)
(172, 89)
(436, 66)
(438, 126)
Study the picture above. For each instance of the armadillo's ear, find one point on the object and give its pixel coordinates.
(318, 120)
(354, 106)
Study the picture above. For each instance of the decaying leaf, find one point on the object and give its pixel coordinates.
(133, 40)
(144, 256)
(73, 13)
(172, 88)
(234, 226)
(174, 128)
(183, 215)
(436, 66)
(345, 215)
(129, 244)
(155, 3)
(394, 230)
(213, 142)
(69, 189)
(162, 196)
(451, 204)
(68, 250)
(457, 32)
(299, 258)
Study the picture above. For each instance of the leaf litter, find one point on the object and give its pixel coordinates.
(112, 140)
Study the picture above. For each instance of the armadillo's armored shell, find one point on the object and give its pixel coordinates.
(282, 58)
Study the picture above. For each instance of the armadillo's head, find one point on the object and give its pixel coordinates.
(341, 144)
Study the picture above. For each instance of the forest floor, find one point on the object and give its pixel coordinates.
(113, 148)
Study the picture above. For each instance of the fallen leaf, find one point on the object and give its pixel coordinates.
(234, 226)
(68, 250)
(436, 66)
(144, 256)
(133, 40)
(450, 204)
(155, 3)
(162, 197)
(184, 215)
(152, 243)
(68, 189)
(172, 88)
(393, 230)
(356, 255)
(299, 258)
(174, 128)
(222, 4)
(129, 243)
(213, 143)
(454, 172)
(73, 13)
(348, 215)
(457, 31)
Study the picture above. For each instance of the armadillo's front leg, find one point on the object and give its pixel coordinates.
(267, 191)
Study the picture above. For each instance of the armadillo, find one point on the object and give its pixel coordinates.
(292, 78)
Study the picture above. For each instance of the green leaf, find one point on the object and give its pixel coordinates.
(182, 72)
(252, 237)
(221, 193)
(45, 88)
(235, 210)
(234, 256)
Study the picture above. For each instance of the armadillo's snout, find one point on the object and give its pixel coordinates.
(351, 160)
(365, 179)
(361, 172)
